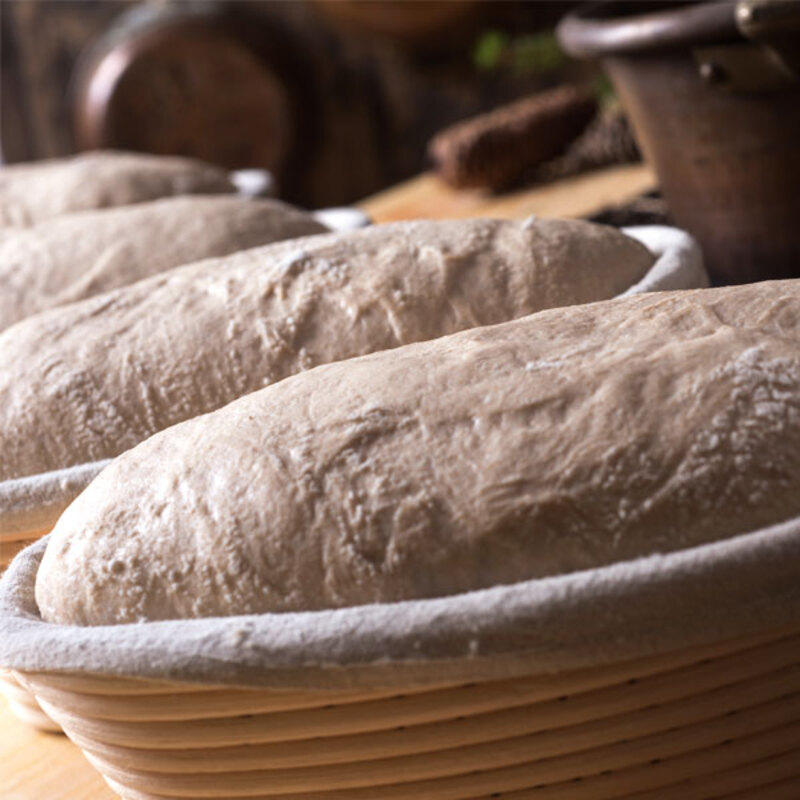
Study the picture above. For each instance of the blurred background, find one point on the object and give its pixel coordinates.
(445, 103)
(338, 98)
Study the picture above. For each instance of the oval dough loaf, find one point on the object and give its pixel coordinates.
(562, 441)
(36, 191)
(88, 381)
(79, 255)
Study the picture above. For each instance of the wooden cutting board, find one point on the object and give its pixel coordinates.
(429, 197)
(43, 766)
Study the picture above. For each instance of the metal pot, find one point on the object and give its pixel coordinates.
(713, 92)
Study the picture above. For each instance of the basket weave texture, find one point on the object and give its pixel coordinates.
(706, 722)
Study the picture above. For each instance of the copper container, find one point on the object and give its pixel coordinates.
(208, 80)
(713, 93)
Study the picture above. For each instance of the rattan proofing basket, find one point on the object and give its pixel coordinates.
(712, 722)
(672, 676)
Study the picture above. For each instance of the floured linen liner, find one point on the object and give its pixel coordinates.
(31, 505)
(739, 587)
(679, 264)
(32, 502)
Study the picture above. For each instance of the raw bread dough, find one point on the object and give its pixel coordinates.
(80, 255)
(87, 381)
(36, 191)
(559, 442)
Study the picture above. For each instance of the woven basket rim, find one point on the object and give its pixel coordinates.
(730, 589)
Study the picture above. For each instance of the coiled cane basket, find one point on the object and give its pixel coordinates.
(672, 676)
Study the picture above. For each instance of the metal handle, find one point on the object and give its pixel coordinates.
(603, 29)
(775, 24)
(764, 20)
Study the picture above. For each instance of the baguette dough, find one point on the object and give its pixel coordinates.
(559, 442)
(87, 381)
(36, 191)
(80, 255)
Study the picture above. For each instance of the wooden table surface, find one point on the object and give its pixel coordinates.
(45, 766)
